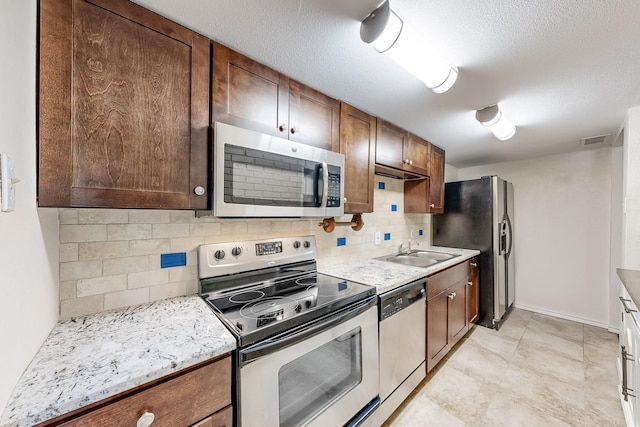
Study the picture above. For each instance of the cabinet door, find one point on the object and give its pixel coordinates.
(472, 292)
(357, 143)
(436, 180)
(390, 140)
(314, 118)
(417, 156)
(415, 195)
(248, 94)
(437, 329)
(123, 108)
(457, 311)
(222, 418)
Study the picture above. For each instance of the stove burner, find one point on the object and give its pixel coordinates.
(276, 306)
(246, 297)
(307, 281)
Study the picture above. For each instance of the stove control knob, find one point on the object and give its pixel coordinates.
(237, 251)
(219, 254)
(307, 244)
(296, 244)
(307, 304)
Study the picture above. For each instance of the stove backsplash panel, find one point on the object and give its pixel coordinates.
(111, 258)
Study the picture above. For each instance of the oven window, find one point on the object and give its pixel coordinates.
(254, 177)
(314, 381)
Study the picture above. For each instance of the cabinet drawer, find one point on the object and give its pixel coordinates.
(444, 279)
(222, 418)
(181, 401)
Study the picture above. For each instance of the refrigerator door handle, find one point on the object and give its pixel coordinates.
(503, 238)
(508, 220)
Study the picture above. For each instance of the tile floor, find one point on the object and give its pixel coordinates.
(535, 371)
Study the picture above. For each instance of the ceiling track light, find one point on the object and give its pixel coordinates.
(388, 34)
(497, 123)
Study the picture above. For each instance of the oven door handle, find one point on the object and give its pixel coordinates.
(300, 333)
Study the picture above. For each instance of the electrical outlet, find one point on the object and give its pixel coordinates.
(377, 237)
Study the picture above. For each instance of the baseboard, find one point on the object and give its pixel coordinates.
(566, 317)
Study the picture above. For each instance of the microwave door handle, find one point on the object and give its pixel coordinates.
(325, 185)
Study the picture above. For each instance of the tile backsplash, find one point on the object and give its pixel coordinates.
(111, 258)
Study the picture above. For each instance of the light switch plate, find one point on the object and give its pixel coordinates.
(7, 181)
(377, 237)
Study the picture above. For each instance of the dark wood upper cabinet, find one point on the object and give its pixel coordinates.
(253, 96)
(357, 143)
(123, 108)
(417, 155)
(436, 181)
(390, 140)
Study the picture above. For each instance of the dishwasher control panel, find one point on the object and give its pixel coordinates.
(398, 299)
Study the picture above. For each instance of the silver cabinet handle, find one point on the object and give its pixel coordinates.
(452, 295)
(432, 205)
(624, 357)
(624, 305)
(473, 264)
(470, 283)
(282, 127)
(199, 190)
(145, 419)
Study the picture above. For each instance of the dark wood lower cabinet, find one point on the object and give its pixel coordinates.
(449, 298)
(473, 291)
(222, 418)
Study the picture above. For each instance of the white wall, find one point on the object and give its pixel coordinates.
(631, 192)
(562, 230)
(29, 249)
(615, 259)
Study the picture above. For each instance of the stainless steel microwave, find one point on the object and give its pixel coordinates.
(258, 175)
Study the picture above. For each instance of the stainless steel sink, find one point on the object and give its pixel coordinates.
(419, 258)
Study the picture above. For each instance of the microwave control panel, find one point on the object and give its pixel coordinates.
(334, 196)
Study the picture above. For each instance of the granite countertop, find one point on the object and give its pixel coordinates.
(87, 359)
(631, 281)
(387, 275)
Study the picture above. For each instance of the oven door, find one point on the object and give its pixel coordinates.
(321, 375)
(258, 175)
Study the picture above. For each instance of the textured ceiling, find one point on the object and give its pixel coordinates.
(561, 70)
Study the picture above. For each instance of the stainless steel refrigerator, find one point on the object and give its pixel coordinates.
(478, 214)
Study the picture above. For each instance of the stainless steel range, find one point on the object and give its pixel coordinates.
(307, 343)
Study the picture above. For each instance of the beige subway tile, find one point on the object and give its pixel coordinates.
(280, 226)
(80, 270)
(103, 216)
(181, 216)
(126, 298)
(147, 278)
(149, 247)
(68, 252)
(132, 264)
(167, 231)
(154, 262)
(233, 229)
(181, 274)
(68, 216)
(186, 244)
(168, 290)
(192, 287)
(83, 233)
(81, 306)
(103, 250)
(129, 231)
(305, 227)
(67, 290)
(256, 227)
(192, 257)
(101, 285)
(204, 229)
(147, 216)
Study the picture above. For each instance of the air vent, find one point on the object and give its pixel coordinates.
(594, 140)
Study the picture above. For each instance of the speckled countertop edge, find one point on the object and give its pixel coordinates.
(87, 359)
(386, 275)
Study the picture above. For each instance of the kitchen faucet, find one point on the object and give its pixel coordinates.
(402, 249)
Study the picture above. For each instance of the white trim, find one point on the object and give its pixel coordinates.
(564, 316)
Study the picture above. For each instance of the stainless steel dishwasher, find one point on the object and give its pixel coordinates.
(402, 344)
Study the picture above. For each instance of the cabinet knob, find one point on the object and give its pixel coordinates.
(452, 295)
(199, 190)
(432, 205)
(282, 127)
(473, 264)
(470, 283)
(294, 130)
(145, 419)
(411, 162)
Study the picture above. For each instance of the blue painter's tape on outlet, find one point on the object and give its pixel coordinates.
(420, 233)
(342, 241)
(394, 208)
(380, 185)
(173, 260)
(387, 236)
